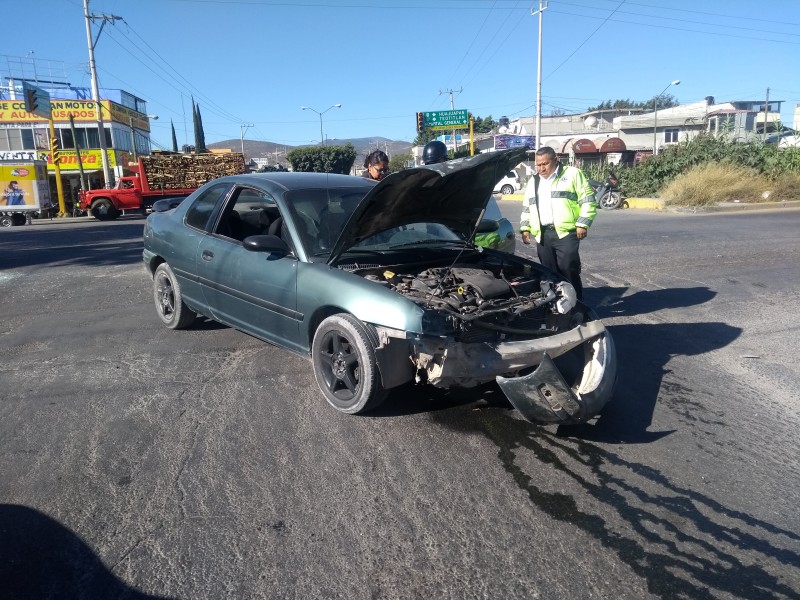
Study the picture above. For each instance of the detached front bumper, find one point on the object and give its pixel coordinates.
(542, 396)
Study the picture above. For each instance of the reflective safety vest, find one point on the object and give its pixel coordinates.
(572, 198)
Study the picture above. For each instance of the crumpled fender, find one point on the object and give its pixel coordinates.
(544, 397)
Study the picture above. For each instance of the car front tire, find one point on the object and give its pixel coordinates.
(507, 189)
(170, 307)
(345, 366)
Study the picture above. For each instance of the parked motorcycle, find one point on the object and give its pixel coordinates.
(607, 193)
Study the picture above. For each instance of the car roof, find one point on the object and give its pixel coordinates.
(291, 180)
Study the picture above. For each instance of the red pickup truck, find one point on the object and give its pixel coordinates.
(156, 177)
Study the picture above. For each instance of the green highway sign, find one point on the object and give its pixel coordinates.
(441, 120)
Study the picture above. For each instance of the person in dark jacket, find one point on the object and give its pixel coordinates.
(376, 164)
(434, 152)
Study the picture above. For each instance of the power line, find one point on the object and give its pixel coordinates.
(749, 18)
(700, 31)
(695, 22)
(563, 62)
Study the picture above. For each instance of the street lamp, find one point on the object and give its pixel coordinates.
(133, 134)
(655, 114)
(321, 138)
(242, 128)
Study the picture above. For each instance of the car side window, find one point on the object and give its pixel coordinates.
(249, 212)
(203, 206)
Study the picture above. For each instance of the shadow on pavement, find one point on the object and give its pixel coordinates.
(87, 244)
(682, 542)
(40, 558)
(643, 352)
(609, 302)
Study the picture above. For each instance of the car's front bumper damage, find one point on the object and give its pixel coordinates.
(542, 396)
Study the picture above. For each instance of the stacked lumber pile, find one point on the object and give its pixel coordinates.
(189, 171)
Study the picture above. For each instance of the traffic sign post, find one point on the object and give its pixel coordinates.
(442, 120)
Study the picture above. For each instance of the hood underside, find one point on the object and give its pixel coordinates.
(452, 193)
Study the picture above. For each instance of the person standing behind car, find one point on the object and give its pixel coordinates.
(434, 152)
(376, 164)
(557, 210)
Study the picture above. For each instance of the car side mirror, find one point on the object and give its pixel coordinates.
(265, 243)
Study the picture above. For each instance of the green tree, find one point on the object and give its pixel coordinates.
(199, 135)
(202, 142)
(399, 161)
(423, 137)
(483, 124)
(323, 159)
(174, 138)
(664, 101)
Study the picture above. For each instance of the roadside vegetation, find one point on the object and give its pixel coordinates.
(323, 159)
(709, 170)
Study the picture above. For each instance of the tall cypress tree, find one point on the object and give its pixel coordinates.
(196, 128)
(201, 145)
(174, 138)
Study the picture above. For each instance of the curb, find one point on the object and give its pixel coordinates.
(661, 204)
(647, 203)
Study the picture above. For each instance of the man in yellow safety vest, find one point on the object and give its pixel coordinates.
(557, 210)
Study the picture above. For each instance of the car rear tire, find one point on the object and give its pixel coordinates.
(104, 210)
(6, 221)
(345, 366)
(170, 306)
(507, 189)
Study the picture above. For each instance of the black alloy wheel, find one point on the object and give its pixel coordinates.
(345, 366)
(170, 307)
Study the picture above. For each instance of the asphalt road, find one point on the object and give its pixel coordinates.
(139, 462)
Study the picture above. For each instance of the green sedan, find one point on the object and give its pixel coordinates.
(382, 284)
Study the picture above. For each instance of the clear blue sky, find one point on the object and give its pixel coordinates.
(259, 61)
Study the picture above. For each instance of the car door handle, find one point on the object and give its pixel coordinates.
(207, 255)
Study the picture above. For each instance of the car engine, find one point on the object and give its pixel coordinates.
(508, 297)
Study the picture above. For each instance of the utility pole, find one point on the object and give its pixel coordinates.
(766, 115)
(452, 107)
(95, 88)
(242, 128)
(542, 8)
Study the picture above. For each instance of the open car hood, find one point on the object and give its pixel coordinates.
(452, 193)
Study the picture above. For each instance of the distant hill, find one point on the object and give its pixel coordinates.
(257, 149)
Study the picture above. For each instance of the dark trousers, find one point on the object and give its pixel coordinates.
(561, 256)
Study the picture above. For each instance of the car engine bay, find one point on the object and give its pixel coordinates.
(501, 296)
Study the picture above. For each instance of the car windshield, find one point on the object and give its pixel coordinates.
(321, 214)
(413, 234)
